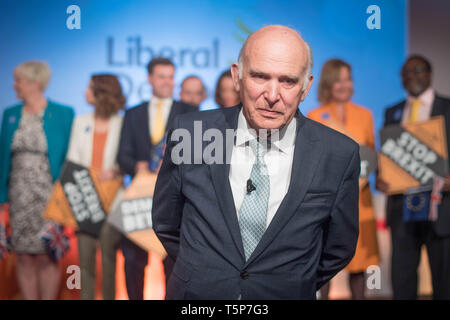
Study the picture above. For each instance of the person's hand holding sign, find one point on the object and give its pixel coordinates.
(381, 185)
(446, 186)
(110, 174)
(141, 166)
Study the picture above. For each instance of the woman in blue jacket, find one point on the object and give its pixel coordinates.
(33, 144)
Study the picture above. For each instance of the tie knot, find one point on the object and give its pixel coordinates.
(414, 113)
(259, 148)
(416, 103)
(159, 104)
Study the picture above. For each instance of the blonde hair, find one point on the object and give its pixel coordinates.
(35, 71)
(329, 76)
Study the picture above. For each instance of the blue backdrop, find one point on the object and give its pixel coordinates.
(202, 37)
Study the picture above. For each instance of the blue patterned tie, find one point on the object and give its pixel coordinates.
(253, 213)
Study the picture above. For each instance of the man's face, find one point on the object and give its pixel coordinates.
(192, 91)
(416, 78)
(162, 80)
(271, 84)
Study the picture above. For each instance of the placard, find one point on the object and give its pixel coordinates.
(132, 214)
(80, 200)
(412, 155)
(369, 162)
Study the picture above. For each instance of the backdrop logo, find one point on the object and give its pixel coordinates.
(243, 29)
(135, 53)
(240, 35)
(131, 86)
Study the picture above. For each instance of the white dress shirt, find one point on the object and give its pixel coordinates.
(152, 109)
(278, 160)
(426, 99)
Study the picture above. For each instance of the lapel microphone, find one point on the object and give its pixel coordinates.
(250, 186)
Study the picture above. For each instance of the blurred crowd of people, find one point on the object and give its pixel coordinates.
(38, 135)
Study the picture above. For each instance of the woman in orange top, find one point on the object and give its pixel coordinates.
(339, 113)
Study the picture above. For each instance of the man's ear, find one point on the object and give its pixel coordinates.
(235, 76)
(308, 87)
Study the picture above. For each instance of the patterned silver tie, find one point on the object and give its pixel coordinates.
(253, 212)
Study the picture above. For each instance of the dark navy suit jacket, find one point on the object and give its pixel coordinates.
(135, 144)
(311, 237)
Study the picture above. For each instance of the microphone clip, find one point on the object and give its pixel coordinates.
(250, 186)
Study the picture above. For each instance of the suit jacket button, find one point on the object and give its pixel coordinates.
(244, 275)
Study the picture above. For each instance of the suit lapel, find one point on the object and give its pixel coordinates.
(397, 115)
(439, 109)
(306, 157)
(221, 182)
(145, 125)
(172, 114)
(436, 109)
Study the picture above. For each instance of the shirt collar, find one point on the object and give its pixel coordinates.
(283, 141)
(425, 97)
(166, 101)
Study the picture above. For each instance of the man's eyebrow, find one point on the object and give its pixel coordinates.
(255, 72)
(290, 77)
(284, 76)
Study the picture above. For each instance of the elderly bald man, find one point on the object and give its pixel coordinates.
(275, 215)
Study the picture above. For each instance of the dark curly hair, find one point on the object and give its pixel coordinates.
(108, 95)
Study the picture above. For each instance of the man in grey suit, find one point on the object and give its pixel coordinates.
(274, 213)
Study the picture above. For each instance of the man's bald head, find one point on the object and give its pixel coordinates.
(273, 76)
(193, 90)
(282, 36)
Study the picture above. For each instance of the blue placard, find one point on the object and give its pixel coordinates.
(416, 206)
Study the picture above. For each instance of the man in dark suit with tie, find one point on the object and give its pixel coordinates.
(409, 237)
(142, 138)
(271, 214)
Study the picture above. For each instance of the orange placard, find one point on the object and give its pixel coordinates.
(412, 155)
(140, 190)
(59, 210)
